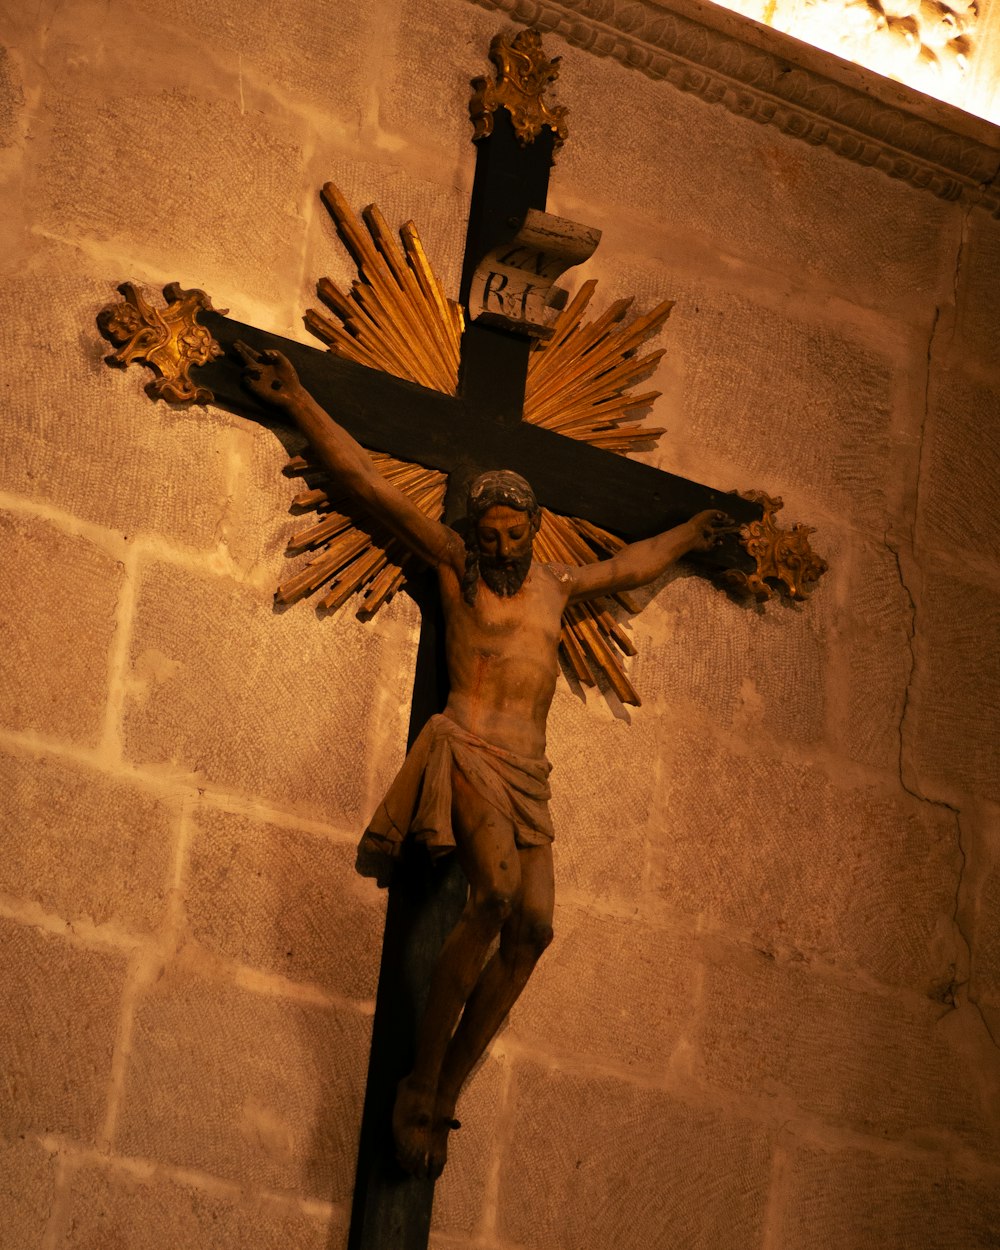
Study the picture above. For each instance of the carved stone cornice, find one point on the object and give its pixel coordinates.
(773, 79)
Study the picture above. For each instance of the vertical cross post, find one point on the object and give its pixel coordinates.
(392, 1209)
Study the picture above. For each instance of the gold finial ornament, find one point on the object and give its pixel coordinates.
(523, 74)
(785, 561)
(169, 340)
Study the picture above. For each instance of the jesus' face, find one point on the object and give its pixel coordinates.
(504, 537)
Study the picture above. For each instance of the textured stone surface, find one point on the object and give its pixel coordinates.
(609, 988)
(986, 934)
(260, 522)
(109, 455)
(109, 1208)
(802, 410)
(648, 145)
(265, 701)
(603, 785)
(762, 391)
(438, 70)
(737, 667)
(28, 1183)
(54, 673)
(11, 99)
(978, 312)
(246, 1087)
(293, 58)
(460, 1194)
(225, 239)
(855, 1199)
(597, 1163)
(844, 875)
(59, 1029)
(870, 655)
(881, 1065)
(950, 737)
(284, 901)
(960, 496)
(81, 843)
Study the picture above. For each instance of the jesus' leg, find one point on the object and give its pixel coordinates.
(523, 938)
(489, 858)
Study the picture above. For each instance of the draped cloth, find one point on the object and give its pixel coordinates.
(419, 801)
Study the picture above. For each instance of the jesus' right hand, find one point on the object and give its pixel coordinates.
(269, 375)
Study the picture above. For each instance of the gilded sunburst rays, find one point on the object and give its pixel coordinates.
(396, 318)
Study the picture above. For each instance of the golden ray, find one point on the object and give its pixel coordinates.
(396, 318)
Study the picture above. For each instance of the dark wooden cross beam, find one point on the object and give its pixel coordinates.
(463, 435)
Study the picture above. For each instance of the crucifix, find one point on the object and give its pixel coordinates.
(449, 397)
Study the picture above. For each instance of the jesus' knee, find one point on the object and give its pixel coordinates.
(491, 909)
(525, 942)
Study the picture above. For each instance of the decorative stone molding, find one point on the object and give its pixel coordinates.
(773, 79)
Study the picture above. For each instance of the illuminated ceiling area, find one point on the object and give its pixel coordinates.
(949, 49)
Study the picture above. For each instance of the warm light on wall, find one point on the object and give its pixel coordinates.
(939, 47)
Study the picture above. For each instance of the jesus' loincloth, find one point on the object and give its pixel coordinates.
(418, 803)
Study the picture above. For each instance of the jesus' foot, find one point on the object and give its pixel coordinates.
(411, 1126)
(444, 1122)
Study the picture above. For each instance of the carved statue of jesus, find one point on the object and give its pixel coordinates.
(476, 779)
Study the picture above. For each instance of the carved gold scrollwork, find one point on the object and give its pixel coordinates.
(785, 561)
(169, 340)
(523, 74)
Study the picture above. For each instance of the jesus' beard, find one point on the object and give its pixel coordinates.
(507, 577)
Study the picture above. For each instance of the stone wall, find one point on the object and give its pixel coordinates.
(770, 1016)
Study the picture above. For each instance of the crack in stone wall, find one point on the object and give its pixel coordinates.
(943, 322)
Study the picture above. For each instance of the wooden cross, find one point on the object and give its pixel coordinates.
(462, 435)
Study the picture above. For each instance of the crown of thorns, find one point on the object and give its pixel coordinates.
(501, 488)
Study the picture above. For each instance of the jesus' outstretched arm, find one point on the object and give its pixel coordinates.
(642, 562)
(272, 378)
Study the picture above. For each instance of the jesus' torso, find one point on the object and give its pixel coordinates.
(502, 657)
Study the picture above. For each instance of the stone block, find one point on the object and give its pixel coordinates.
(738, 667)
(268, 702)
(592, 1163)
(82, 844)
(260, 521)
(978, 317)
(844, 1199)
(107, 1208)
(246, 1087)
(437, 68)
(878, 1064)
(54, 675)
(960, 495)
(985, 937)
(771, 850)
(110, 456)
(320, 60)
(28, 1189)
(798, 409)
(648, 148)
(63, 1004)
(610, 988)
(950, 731)
(172, 211)
(603, 784)
(11, 99)
(460, 1194)
(870, 659)
(284, 901)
